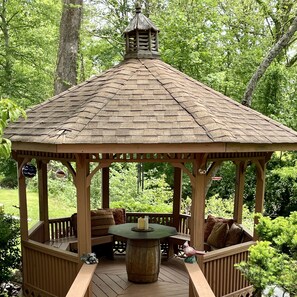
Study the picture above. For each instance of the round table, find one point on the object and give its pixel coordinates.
(143, 253)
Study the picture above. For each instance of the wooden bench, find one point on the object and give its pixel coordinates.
(70, 243)
(174, 241)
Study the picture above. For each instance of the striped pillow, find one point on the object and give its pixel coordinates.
(101, 219)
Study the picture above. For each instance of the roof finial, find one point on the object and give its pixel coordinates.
(137, 7)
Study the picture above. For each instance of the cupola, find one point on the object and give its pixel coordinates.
(141, 37)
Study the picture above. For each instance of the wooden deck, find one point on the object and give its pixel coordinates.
(110, 279)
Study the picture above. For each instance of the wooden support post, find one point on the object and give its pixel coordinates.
(43, 199)
(22, 201)
(105, 187)
(260, 190)
(83, 209)
(177, 193)
(239, 191)
(198, 206)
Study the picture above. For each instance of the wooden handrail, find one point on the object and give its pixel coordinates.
(82, 281)
(198, 281)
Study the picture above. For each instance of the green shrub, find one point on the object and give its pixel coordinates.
(9, 246)
(273, 261)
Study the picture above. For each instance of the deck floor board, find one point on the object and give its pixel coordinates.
(110, 279)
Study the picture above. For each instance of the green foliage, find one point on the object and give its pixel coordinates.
(9, 246)
(225, 207)
(273, 261)
(28, 46)
(281, 232)
(155, 197)
(8, 173)
(9, 112)
(281, 185)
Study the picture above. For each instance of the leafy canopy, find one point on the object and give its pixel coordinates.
(9, 112)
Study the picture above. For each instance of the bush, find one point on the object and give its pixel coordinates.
(273, 261)
(9, 246)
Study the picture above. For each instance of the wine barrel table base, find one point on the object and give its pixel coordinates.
(143, 260)
(143, 253)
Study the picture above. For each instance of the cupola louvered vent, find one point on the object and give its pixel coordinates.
(141, 37)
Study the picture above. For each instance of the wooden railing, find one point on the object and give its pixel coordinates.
(154, 218)
(82, 281)
(51, 271)
(199, 286)
(184, 224)
(218, 266)
(60, 228)
(36, 233)
(219, 270)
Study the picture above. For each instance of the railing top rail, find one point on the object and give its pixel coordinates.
(82, 281)
(199, 283)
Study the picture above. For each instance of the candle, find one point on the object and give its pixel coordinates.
(146, 222)
(141, 223)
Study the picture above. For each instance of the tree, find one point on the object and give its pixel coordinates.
(276, 49)
(66, 70)
(9, 112)
(28, 35)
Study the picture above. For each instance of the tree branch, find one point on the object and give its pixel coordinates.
(276, 49)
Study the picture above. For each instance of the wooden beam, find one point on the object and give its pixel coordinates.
(185, 170)
(177, 194)
(239, 191)
(105, 187)
(70, 169)
(43, 198)
(198, 206)
(22, 201)
(141, 148)
(83, 206)
(260, 190)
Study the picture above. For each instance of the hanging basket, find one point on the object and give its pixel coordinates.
(29, 170)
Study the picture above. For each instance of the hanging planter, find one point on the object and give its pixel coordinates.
(60, 173)
(29, 170)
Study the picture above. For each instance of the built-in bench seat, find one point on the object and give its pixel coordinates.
(219, 233)
(70, 243)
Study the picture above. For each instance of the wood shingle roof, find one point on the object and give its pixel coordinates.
(145, 101)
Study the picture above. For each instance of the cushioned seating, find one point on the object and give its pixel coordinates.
(220, 232)
(101, 219)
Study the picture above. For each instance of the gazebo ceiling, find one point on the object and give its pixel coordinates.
(144, 102)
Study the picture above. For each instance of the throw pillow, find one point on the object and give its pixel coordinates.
(210, 222)
(101, 219)
(234, 235)
(119, 215)
(217, 237)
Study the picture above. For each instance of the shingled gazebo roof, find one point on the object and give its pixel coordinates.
(145, 101)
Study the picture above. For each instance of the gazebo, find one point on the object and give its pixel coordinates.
(141, 110)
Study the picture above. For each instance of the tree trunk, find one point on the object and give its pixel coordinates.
(283, 41)
(66, 71)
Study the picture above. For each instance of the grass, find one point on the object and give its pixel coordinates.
(57, 208)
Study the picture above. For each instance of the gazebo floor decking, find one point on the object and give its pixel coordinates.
(110, 279)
